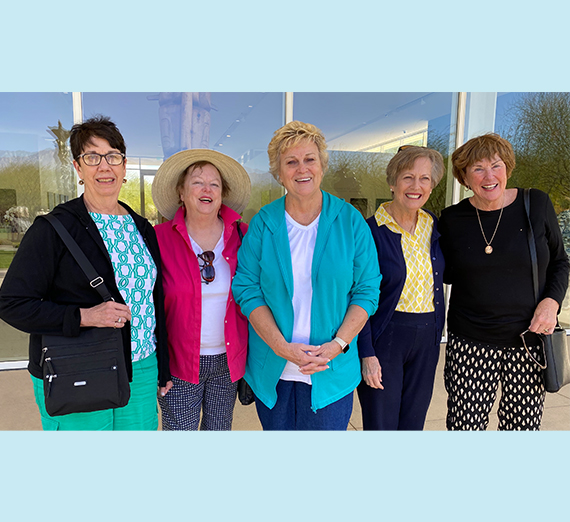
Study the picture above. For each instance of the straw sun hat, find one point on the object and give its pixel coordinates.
(234, 175)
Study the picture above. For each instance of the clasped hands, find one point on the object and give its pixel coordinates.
(310, 359)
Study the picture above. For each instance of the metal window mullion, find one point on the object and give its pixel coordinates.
(456, 187)
(459, 139)
(77, 104)
(287, 107)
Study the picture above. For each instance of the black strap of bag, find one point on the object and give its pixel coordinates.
(556, 367)
(534, 265)
(240, 233)
(244, 391)
(531, 245)
(85, 373)
(95, 280)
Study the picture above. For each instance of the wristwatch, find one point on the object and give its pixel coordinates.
(343, 344)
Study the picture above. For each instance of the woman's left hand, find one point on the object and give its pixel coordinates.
(544, 318)
(163, 390)
(327, 351)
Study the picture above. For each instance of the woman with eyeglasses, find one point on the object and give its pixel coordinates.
(46, 292)
(202, 192)
(484, 239)
(399, 345)
(307, 279)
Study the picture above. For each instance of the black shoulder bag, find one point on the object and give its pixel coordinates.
(89, 372)
(556, 367)
(244, 391)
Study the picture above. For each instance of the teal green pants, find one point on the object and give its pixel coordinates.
(141, 413)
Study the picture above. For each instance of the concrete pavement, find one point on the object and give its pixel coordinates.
(18, 410)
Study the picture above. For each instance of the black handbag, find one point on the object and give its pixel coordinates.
(556, 365)
(244, 391)
(89, 372)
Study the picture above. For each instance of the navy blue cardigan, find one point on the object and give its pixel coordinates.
(393, 269)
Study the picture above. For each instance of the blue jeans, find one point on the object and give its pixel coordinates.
(293, 410)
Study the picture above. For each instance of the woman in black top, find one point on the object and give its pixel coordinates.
(45, 292)
(484, 241)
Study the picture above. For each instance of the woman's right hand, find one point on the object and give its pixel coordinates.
(301, 355)
(106, 315)
(372, 372)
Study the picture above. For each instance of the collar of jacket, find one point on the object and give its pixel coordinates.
(435, 235)
(228, 215)
(77, 208)
(273, 215)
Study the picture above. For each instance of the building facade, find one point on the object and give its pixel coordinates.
(363, 131)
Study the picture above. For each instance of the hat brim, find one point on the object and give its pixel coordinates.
(165, 196)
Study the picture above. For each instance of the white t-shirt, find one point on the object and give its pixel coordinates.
(214, 302)
(302, 243)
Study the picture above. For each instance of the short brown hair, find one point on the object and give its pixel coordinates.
(195, 166)
(405, 159)
(479, 148)
(290, 135)
(97, 127)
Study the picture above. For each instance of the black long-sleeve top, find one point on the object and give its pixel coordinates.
(492, 297)
(44, 287)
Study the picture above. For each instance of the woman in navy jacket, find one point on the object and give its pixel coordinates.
(399, 345)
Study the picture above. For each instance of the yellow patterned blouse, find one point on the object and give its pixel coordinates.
(417, 294)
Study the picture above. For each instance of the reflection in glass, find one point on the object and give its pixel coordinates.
(157, 125)
(538, 126)
(36, 174)
(364, 131)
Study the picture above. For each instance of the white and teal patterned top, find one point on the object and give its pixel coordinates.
(135, 274)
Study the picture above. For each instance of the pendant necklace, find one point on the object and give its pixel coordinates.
(489, 248)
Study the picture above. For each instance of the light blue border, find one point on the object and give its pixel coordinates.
(299, 46)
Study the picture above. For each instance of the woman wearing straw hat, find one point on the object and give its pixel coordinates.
(202, 192)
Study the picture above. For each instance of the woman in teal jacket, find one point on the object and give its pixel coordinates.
(307, 279)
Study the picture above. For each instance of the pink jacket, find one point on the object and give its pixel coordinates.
(183, 298)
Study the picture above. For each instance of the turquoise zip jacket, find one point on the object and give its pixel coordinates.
(344, 271)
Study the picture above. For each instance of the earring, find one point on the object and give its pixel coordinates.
(81, 182)
(124, 181)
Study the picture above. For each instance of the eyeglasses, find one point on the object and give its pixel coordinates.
(539, 337)
(404, 147)
(207, 269)
(92, 159)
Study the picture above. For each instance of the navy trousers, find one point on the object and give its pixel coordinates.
(408, 351)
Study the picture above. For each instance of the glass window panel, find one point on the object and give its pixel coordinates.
(538, 126)
(364, 131)
(35, 175)
(157, 125)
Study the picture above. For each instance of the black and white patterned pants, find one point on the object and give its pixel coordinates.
(472, 375)
(214, 396)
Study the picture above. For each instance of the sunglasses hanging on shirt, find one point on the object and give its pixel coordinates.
(207, 269)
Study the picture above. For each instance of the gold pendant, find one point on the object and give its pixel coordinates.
(488, 249)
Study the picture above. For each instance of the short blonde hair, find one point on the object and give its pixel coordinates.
(405, 159)
(479, 148)
(290, 135)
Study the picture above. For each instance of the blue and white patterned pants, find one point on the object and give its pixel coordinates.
(214, 397)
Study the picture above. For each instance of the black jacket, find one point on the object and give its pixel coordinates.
(44, 287)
